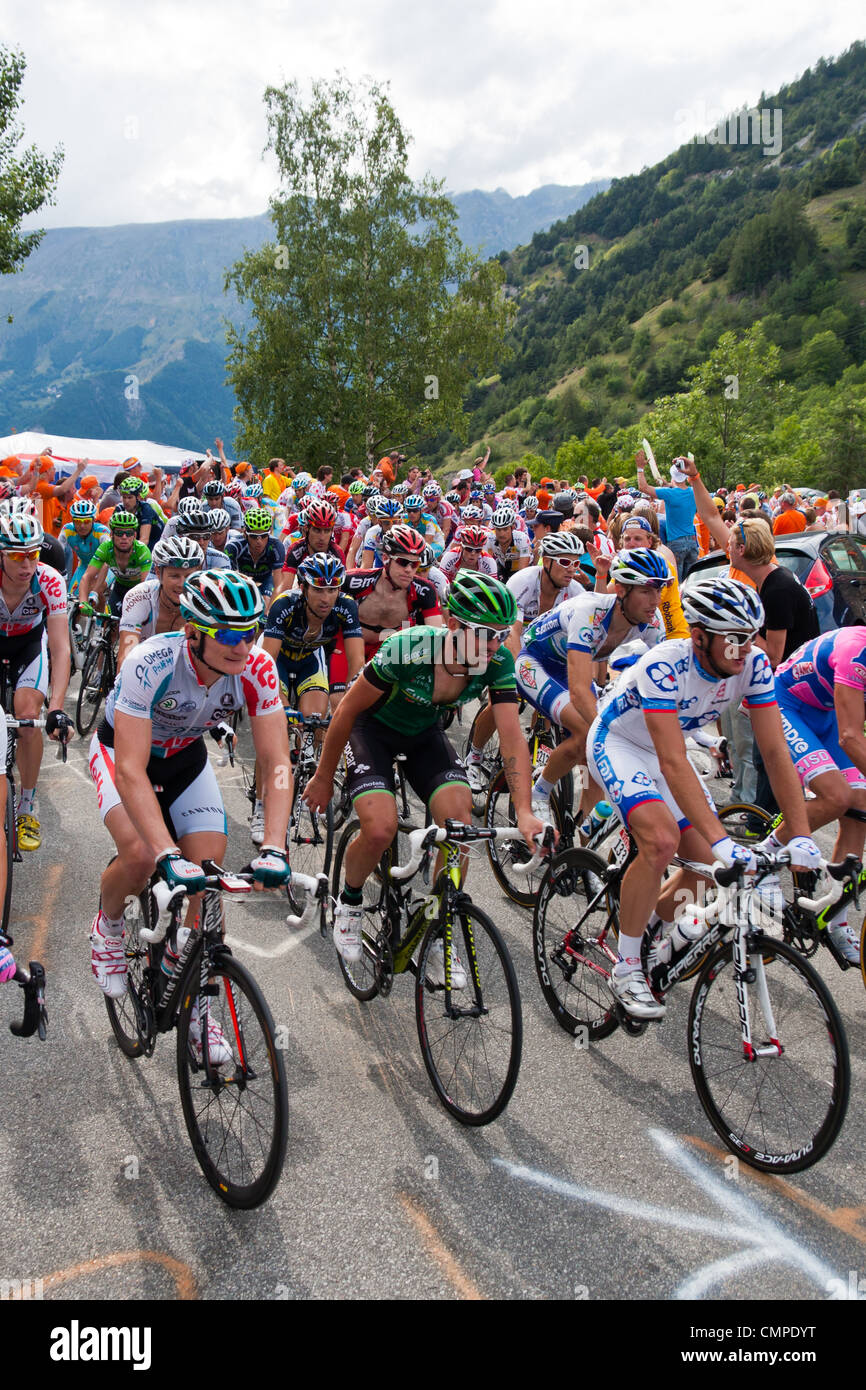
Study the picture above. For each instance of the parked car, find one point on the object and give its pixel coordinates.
(831, 564)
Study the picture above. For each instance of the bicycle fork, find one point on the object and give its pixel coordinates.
(744, 975)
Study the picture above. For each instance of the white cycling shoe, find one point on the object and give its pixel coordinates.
(108, 961)
(436, 966)
(257, 825)
(348, 922)
(218, 1050)
(633, 992)
(476, 778)
(847, 941)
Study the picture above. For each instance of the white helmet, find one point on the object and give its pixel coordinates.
(561, 543)
(723, 605)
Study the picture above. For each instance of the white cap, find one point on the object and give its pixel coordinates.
(677, 474)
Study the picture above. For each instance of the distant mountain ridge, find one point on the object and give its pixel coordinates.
(121, 329)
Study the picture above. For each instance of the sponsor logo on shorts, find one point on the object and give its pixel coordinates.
(640, 779)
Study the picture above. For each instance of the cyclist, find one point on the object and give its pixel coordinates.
(510, 547)
(217, 539)
(372, 502)
(317, 529)
(81, 535)
(433, 575)
(421, 522)
(636, 750)
(256, 553)
(388, 512)
(394, 596)
(151, 519)
(441, 510)
(118, 564)
(395, 707)
(154, 606)
(33, 627)
(821, 690)
(536, 589)
(555, 665)
(156, 789)
(216, 496)
(468, 552)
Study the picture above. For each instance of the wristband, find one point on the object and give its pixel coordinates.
(166, 853)
(274, 849)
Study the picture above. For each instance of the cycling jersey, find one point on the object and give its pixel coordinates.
(83, 547)
(140, 609)
(404, 669)
(159, 682)
(525, 585)
(582, 624)
(421, 602)
(520, 548)
(45, 597)
(288, 621)
(137, 565)
(450, 564)
(297, 553)
(835, 658)
(261, 571)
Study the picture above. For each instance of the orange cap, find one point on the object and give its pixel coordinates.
(89, 480)
(46, 464)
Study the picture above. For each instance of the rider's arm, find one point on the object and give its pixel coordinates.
(271, 742)
(767, 728)
(706, 507)
(90, 580)
(682, 780)
(132, 748)
(640, 460)
(580, 684)
(354, 649)
(125, 644)
(849, 717)
(272, 646)
(515, 757)
(144, 532)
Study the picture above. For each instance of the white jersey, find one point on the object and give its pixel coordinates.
(435, 577)
(45, 597)
(671, 678)
(450, 564)
(525, 585)
(582, 624)
(140, 608)
(507, 556)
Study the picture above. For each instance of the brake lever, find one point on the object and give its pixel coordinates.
(35, 1014)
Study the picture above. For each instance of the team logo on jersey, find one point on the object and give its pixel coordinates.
(526, 676)
(687, 704)
(640, 779)
(585, 636)
(859, 670)
(663, 676)
(169, 703)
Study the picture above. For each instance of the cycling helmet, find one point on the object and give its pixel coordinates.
(301, 480)
(20, 530)
(179, 552)
(357, 488)
(530, 503)
(374, 503)
(427, 557)
(322, 571)
(220, 598)
(403, 540)
(432, 492)
(481, 601)
(472, 535)
(389, 506)
(259, 520)
(194, 524)
(399, 489)
(235, 488)
(220, 519)
(624, 502)
(320, 515)
(82, 510)
(186, 505)
(254, 490)
(214, 488)
(639, 567)
(414, 502)
(130, 486)
(476, 495)
(123, 521)
(453, 498)
(472, 514)
(504, 516)
(561, 543)
(370, 490)
(489, 489)
(723, 605)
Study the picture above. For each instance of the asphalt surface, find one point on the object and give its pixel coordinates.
(603, 1178)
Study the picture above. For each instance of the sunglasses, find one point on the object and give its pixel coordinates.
(19, 556)
(572, 563)
(472, 549)
(229, 636)
(490, 634)
(407, 564)
(736, 639)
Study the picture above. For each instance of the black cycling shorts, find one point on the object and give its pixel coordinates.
(430, 761)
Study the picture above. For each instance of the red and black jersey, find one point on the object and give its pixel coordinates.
(422, 602)
(298, 552)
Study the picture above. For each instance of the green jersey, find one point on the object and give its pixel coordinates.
(404, 669)
(137, 567)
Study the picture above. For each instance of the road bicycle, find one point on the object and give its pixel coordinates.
(767, 1049)
(98, 672)
(471, 1036)
(79, 632)
(230, 1071)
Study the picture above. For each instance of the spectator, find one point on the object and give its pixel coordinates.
(679, 503)
(789, 520)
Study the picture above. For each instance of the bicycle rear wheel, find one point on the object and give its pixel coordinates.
(503, 855)
(472, 1054)
(129, 1015)
(574, 942)
(362, 976)
(238, 1116)
(778, 1114)
(90, 692)
(746, 824)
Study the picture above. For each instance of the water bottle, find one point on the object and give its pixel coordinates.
(601, 812)
(687, 930)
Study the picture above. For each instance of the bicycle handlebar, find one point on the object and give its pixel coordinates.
(226, 882)
(426, 836)
(35, 1016)
(14, 723)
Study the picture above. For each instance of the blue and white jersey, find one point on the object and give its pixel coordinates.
(670, 677)
(582, 624)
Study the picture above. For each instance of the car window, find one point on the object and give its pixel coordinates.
(847, 554)
(792, 560)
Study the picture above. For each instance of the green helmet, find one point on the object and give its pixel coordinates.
(357, 487)
(481, 601)
(131, 486)
(123, 521)
(258, 519)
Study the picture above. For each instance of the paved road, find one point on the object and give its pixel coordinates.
(603, 1179)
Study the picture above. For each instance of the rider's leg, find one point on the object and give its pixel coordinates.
(684, 888)
(127, 875)
(28, 704)
(657, 836)
(377, 817)
(198, 846)
(452, 802)
(834, 795)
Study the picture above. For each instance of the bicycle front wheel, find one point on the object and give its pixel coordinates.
(129, 1015)
(574, 942)
(237, 1108)
(90, 692)
(471, 1049)
(504, 855)
(363, 975)
(777, 1113)
(309, 843)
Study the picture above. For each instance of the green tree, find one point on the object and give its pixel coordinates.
(28, 179)
(823, 358)
(370, 318)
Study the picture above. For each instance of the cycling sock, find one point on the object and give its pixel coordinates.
(773, 843)
(839, 918)
(629, 953)
(260, 806)
(26, 801)
(543, 787)
(475, 754)
(110, 926)
(352, 897)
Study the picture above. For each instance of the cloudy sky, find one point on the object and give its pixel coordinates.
(158, 103)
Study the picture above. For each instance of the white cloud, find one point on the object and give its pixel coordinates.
(160, 108)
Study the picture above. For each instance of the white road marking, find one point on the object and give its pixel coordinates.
(268, 952)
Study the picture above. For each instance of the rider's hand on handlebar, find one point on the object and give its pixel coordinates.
(181, 873)
(804, 853)
(58, 725)
(270, 869)
(728, 853)
(530, 826)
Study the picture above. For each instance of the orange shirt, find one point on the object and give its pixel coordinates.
(705, 542)
(788, 522)
(386, 467)
(52, 509)
(595, 491)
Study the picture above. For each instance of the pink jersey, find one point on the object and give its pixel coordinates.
(834, 658)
